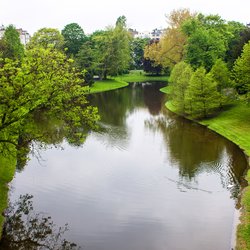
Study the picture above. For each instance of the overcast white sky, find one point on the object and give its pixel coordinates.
(91, 15)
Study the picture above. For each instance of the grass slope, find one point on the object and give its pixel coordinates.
(123, 80)
(234, 124)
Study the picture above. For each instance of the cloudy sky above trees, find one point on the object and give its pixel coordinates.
(92, 15)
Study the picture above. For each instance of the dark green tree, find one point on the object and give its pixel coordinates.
(137, 52)
(11, 46)
(74, 37)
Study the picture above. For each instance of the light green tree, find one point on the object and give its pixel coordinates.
(201, 95)
(45, 38)
(45, 80)
(241, 72)
(179, 81)
(221, 75)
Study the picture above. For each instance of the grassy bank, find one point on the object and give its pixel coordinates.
(106, 85)
(123, 80)
(234, 124)
(7, 171)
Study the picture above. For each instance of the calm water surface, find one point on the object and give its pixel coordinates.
(147, 181)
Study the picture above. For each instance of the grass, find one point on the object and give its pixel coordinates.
(123, 80)
(234, 124)
(7, 171)
(106, 85)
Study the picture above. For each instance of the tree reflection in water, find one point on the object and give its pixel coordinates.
(27, 230)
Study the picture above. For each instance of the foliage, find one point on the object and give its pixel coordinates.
(242, 72)
(179, 82)
(45, 79)
(86, 61)
(221, 75)
(206, 40)
(202, 96)
(137, 52)
(46, 38)
(10, 45)
(170, 49)
(74, 37)
(150, 66)
(240, 36)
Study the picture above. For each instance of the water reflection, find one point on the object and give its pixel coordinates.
(194, 149)
(145, 180)
(26, 230)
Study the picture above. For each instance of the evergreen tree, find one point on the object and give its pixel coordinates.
(11, 44)
(242, 72)
(202, 95)
(179, 81)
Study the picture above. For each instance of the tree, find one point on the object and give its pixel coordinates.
(112, 49)
(170, 49)
(201, 96)
(45, 38)
(86, 60)
(241, 71)
(45, 80)
(240, 36)
(150, 66)
(11, 46)
(179, 82)
(74, 37)
(137, 52)
(207, 40)
(221, 75)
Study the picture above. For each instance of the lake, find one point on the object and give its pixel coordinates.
(148, 180)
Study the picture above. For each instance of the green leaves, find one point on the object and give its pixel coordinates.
(241, 72)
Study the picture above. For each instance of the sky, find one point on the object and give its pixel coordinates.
(92, 15)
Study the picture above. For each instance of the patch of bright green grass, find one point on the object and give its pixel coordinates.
(7, 171)
(243, 230)
(234, 124)
(106, 85)
(123, 80)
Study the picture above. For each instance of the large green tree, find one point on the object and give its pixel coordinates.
(201, 95)
(45, 80)
(10, 45)
(207, 40)
(45, 38)
(74, 37)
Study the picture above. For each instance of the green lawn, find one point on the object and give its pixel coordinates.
(7, 171)
(123, 80)
(106, 85)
